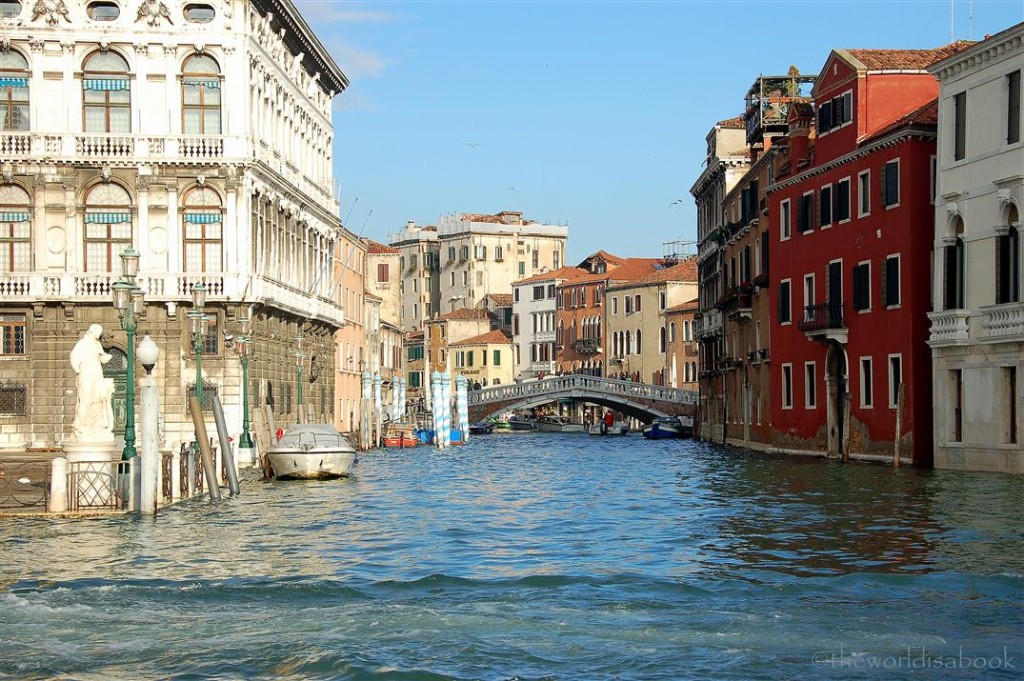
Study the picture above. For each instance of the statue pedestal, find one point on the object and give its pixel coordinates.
(92, 473)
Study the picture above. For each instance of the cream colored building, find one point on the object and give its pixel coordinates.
(418, 276)
(352, 359)
(635, 328)
(483, 254)
(977, 330)
(487, 359)
(115, 133)
(383, 279)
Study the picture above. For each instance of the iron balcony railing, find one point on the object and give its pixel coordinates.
(822, 316)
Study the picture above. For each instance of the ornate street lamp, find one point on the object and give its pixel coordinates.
(129, 303)
(300, 359)
(243, 347)
(198, 322)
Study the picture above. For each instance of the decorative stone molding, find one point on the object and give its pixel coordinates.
(153, 12)
(68, 46)
(37, 45)
(50, 11)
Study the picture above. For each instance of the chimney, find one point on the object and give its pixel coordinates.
(801, 117)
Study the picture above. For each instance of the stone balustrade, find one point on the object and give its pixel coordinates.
(949, 327)
(1003, 322)
(580, 382)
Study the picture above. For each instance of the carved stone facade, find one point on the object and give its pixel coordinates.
(204, 143)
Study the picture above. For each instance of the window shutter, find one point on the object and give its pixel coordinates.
(885, 282)
(828, 278)
(825, 116)
(882, 180)
(848, 106)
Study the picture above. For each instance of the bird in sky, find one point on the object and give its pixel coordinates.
(675, 202)
(473, 144)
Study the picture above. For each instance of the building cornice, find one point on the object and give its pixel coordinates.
(301, 39)
(995, 47)
(903, 135)
(720, 165)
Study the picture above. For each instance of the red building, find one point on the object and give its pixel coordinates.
(852, 229)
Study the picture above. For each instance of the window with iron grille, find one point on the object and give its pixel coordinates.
(13, 329)
(209, 392)
(14, 101)
(13, 399)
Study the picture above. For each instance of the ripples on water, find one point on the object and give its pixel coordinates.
(535, 557)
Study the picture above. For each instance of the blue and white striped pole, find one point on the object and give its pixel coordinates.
(436, 416)
(446, 399)
(394, 397)
(462, 404)
(402, 407)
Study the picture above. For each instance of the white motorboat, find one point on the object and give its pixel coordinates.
(558, 424)
(312, 451)
(617, 428)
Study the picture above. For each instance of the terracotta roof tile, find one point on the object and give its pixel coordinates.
(630, 269)
(373, 247)
(907, 60)
(734, 122)
(495, 337)
(560, 273)
(685, 270)
(503, 299)
(465, 314)
(688, 306)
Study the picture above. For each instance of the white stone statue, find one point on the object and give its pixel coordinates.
(94, 415)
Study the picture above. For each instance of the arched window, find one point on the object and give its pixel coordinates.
(686, 372)
(627, 347)
(13, 92)
(15, 229)
(955, 269)
(106, 93)
(639, 348)
(108, 227)
(1008, 260)
(661, 339)
(200, 96)
(686, 329)
(203, 222)
(672, 332)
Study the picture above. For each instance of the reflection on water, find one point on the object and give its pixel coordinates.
(533, 556)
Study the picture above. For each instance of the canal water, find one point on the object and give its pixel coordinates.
(536, 557)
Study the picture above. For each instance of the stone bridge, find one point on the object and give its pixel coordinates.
(639, 400)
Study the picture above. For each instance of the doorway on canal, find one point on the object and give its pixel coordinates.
(836, 383)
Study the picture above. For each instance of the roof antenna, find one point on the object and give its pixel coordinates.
(952, 12)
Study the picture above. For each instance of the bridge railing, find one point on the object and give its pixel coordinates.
(561, 384)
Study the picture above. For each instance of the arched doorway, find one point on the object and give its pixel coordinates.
(117, 369)
(836, 382)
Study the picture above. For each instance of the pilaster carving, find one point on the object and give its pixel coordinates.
(37, 45)
(67, 46)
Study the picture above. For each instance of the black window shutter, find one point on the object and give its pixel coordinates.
(837, 111)
(848, 107)
(892, 293)
(825, 116)
(882, 177)
(885, 282)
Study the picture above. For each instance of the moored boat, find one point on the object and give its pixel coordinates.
(521, 423)
(667, 427)
(481, 428)
(617, 428)
(401, 440)
(311, 451)
(558, 424)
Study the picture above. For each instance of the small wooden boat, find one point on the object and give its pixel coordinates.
(558, 424)
(401, 440)
(311, 451)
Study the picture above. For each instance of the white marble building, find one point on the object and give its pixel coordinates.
(977, 329)
(197, 133)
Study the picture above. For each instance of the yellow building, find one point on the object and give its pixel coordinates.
(487, 359)
(351, 339)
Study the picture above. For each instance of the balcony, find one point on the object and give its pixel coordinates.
(587, 346)
(949, 327)
(743, 309)
(709, 324)
(1003, 323)
(824, 321)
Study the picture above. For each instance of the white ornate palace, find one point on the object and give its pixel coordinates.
(198, 133)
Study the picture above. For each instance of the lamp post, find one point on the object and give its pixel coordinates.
(243, 347)
(128, 301)
(300, 357)
(199, 323)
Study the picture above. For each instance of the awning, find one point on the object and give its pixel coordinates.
(106, 84)
(107, 218)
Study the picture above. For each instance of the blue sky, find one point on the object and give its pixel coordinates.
(592, 114)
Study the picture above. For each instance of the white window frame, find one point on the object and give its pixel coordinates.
(888, 284)
(893, 395)
(868, 308)
(899, 189)
(789, 282)
(785, 220)
(870, 394)
(849, 198)
(807, 300)
(831, 204)
(863, 180)
(787, 386)
(810, 385)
